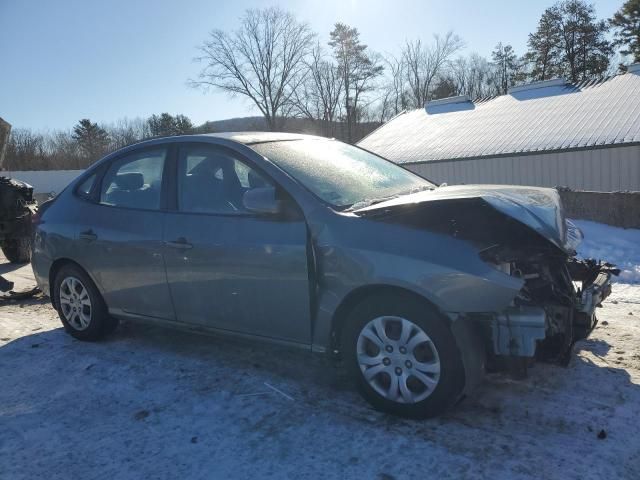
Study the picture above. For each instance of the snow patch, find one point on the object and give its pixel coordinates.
(612, 244)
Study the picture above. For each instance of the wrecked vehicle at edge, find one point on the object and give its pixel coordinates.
(310, 242)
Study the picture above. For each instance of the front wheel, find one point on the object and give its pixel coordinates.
(403, 356)
(80, 305)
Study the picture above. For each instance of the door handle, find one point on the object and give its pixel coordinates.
(88, 235)
(180, 243)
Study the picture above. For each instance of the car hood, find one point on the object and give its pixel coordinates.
(538, 208)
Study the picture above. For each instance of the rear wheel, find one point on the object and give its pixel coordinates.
(80, 305)
(17, 250)
(403, 356)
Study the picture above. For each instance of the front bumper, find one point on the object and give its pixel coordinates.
(519, 330)
(590, 298)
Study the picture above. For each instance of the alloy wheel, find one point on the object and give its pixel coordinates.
(75, 303)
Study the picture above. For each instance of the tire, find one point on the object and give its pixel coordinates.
(17, 250)
(74, 289)
(429, 389)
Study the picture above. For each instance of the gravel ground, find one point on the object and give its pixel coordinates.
(151, 404)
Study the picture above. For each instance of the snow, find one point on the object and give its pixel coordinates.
(615, 245)
(150, 403)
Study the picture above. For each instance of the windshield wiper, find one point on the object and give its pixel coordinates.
(367, 202)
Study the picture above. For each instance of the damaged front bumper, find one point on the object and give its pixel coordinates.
(549, 329)
(592, 294)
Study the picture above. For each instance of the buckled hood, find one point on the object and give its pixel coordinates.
(538, 208)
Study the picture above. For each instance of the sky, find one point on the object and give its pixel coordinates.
(63, 60)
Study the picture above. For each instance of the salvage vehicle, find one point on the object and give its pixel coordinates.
(416, 289)
(17, 205)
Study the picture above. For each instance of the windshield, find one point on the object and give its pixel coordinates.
(340, 174)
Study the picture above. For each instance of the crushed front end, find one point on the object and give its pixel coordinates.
(520, 232)
(555, 307)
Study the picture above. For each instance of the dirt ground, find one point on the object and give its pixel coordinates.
(152, 404)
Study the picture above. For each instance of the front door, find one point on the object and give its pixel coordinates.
(226, 267)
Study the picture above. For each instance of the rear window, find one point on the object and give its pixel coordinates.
(135, 180)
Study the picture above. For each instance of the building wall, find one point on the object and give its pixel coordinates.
(599, 169)
(44, 181)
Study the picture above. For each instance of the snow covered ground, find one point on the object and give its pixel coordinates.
(156, 404)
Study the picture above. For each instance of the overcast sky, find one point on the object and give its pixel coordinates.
(62, 60)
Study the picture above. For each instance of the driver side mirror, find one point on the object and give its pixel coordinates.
(262, 200)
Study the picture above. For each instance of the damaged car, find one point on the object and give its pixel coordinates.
(417, 289)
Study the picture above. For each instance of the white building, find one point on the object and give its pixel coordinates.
(584, 136)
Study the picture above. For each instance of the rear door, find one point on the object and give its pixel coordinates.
(119, 237)
(228, 268)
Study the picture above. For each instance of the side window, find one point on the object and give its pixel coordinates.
(212, 180)
(135, 181)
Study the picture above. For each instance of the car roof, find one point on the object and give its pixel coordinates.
(243, 138)
(248, 138)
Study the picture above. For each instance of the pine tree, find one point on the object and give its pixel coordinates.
(358, 68)
(445, 88)
(507, 66)
(92, 139)
(569, 42)
(544, 54)
(586, 50)
(183, 125)
(166, 125)
(626, 22)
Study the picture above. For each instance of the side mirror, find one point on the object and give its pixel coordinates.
(262, 200)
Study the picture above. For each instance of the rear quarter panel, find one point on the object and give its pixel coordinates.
(54, 237)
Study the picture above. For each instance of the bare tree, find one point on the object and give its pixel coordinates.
(424, 63)
(395, 89)
(474, 76)
(263, 60)
(127, 131)
(318, 98)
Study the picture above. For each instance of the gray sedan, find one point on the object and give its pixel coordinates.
(415, 288)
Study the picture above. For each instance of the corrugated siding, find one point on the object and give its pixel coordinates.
(602, 169)
(544, 119)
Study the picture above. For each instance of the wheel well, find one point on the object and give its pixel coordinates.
(357, 296)
(53, 271)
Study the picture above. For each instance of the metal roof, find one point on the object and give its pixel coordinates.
(543, 116)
